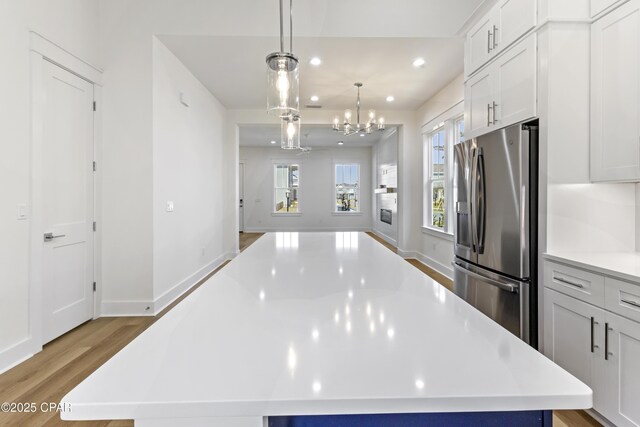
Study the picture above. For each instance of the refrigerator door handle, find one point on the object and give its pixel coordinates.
(482, 205)
(509, 287)
(473, 206)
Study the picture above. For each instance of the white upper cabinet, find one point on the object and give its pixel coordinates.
(503, 92)
(479, 45)
(515, 84)
(503, 25)
(478, 103)
(615, 95)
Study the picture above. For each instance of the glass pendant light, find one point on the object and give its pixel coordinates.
(283, 85)
(290, 132)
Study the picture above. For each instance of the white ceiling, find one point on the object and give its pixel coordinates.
(311, 136)
(234, 70)
(224, 44)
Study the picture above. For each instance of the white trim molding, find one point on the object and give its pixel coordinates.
(18, 353)
(429, 262)
(154, 307)
(386, 238)
(65, 59)
(164, 300)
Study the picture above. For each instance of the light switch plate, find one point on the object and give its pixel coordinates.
(170, 206)
(22, 213)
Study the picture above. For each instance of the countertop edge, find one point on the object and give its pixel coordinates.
(571, 260)
(178, 410)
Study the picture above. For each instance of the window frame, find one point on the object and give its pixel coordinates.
(447, 121)
(333, 188)
(274, 187)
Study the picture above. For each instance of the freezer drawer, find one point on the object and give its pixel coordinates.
(504, 300)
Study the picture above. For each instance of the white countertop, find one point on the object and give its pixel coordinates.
(623, 265)
(322, 323)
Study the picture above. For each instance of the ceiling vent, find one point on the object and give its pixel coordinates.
(313, 106)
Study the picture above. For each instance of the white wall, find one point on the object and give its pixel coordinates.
(72, 24)
(638, 217)
(385, 172)
(576, 215)
(187, 164)
(405, 121)
(316, 197)
(433, 249)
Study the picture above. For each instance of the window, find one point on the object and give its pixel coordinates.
(286, 188)
(439, 140)
(437, 144)
(347, 182)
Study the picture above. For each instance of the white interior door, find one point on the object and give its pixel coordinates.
(66, 192)
(241, 196)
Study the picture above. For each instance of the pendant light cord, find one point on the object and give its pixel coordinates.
(281, 30)
(291, 26)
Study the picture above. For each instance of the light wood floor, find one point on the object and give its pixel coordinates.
(66, 361)
(247, 239)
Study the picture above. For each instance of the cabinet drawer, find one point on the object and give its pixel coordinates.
(622, 298)
(580, 284)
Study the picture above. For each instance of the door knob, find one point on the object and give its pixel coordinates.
(49, 236)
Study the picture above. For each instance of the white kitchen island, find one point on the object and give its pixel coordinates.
(304, 325)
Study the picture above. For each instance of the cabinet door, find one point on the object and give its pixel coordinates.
(479, 45)
(615, 95)
(573, 338)
(478, 99)
(515, 84)
(623, 372)
(513, 18)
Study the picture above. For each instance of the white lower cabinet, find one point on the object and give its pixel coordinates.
(600, 348)
(623, 371)
(573, 338)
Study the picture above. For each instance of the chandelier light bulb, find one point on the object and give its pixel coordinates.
(347, 116)
(381, 123)
(372, 115)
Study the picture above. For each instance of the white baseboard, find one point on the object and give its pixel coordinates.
(302, 229)
(18, 353)
(176, 292)
(429, 262)
(126, 308)
(385, 237)
(152, 308)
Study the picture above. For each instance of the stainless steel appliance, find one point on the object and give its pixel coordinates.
(495, 194)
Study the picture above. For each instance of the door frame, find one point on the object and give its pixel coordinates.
(241, 180)
(42, 50)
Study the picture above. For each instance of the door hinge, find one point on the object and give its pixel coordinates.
(94, 286)
(94, 226)
(95, 106)
(94, 165)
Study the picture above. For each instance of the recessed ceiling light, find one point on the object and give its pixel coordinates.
(419, 62)
(340, 142)
(315, 61)
(314, 98)
(273, 142)
(390, 98)
(362, 134)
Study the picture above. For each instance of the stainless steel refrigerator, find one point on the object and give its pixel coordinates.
(495, 226)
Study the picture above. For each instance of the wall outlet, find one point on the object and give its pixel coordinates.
(170, 206)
